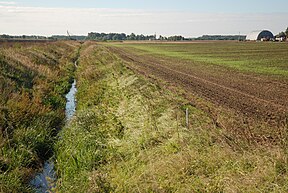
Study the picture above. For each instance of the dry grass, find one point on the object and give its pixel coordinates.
(129, 135)
(34, 78)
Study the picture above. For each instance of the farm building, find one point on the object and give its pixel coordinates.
(260, 35)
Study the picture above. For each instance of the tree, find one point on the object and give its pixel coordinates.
(286, 32)
(281, 34)
(132, 36)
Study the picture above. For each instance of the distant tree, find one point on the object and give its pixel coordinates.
(123, 36)
(221, 37)
(286, 32)
(132, 36)
(176, 38)
(281, 34)
(4, 36)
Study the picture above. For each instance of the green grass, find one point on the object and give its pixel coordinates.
(260, 58)
(34, 80)
(129, 135)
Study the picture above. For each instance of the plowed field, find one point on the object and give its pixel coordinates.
(259, 91)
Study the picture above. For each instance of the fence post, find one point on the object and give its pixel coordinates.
(187, 118)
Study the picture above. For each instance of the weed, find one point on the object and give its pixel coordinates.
(129, 135)
(34, 80)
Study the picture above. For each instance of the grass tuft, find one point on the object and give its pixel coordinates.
(130, 135)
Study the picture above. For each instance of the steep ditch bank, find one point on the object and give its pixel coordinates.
(129, 135)
(34, 79)
(46, 180)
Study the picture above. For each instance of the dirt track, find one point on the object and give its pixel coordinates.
(257, 96)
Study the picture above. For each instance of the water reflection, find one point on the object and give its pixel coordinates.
(71, 102)
(45, 181)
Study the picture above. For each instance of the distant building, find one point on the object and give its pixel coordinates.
(280, 39)
(261, 35)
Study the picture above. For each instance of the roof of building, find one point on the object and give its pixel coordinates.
(254, 35)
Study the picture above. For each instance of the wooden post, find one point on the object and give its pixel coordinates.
(177, 125)
(187, 118)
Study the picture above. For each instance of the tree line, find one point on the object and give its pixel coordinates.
(283, 34)
(118, 36)
(221, 37)
(122, 36)
(26, 37)
(132, 36)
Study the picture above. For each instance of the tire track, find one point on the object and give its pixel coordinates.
(220, 94)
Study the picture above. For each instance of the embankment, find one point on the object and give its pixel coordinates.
(130, 135)
(34, 78)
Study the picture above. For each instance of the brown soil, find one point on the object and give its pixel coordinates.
(258, 96)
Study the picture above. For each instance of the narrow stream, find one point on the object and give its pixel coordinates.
(71, 102)
(46, 180)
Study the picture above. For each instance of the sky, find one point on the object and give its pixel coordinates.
(189, 18)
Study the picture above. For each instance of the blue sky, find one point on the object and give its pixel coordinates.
(189, 18)
(243, 6)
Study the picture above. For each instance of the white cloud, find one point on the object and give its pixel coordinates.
(7, 3)
(48, 21)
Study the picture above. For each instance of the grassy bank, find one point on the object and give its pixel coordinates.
(34, 78)
(129, 135)
(176, 67)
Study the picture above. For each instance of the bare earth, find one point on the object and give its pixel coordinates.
(258, 96)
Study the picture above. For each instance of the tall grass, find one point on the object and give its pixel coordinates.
(129, 135)
(34, 79)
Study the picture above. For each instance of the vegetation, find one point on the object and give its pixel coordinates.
(65, 37)
(282, 36)
(132, 36)
(283, 33)
(122, 36)
(33, 80)
(118, 36)
(24, 37)
(269, 59)
(129, 135)
(222, 37)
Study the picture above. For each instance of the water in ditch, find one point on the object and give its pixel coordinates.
(46, 180)
(71, 102)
